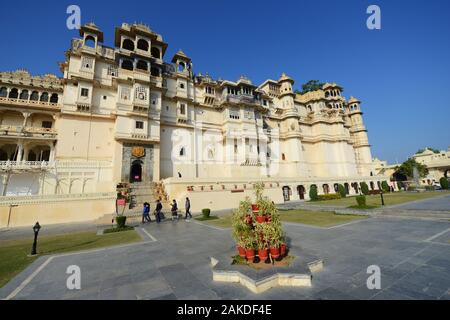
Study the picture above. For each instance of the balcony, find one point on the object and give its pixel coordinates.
(240, 99)
(30, 132)
(30, 103)
(26, 165)
(156, 81)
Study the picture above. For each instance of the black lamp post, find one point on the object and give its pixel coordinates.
(36, 229)
(382, 199)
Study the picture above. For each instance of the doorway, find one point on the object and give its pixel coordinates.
(136, 171)
(301, 192)
(287, 193)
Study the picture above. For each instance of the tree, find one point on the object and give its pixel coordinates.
(385, 186)
(313, 193)
(342, 191)
(407, 168)
(364, 188)
(444, 183)
(311, 85)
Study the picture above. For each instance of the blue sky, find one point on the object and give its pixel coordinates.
(401, 73)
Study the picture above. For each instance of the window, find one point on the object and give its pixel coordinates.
(34, 96)
(14, 93)
(54, 98)
(142, 65)
(181, 85)
(112, 70)
(24, 95)
(142, 45)
(127, 65)
(141, 93)
(156, 53)
(84, 93)
(125, 94)
(87, 62)
(182, 152)
(47, 124)
(139, 125)
(182, 109)
(104, 97)
(128, 45)
(235, 145)
(283, 157)
(3, 92)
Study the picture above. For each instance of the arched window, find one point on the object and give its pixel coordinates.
(142, 45)
(54, 98)
(283, 157)
(3, 92)
(156, 53)
(127, 65)
(155, 72)
(3, 155)
(182, 152)
(24, 95)
(44, 97)
(127, 44)
(181, 66)
(327, 94)
(89, 41)
(14, 93)
(142, 65)
(34, 96)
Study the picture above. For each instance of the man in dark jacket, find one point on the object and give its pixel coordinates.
(174, 210)
(158, 211)
(187, 206)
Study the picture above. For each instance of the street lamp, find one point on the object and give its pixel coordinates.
(382, 199)
(36, 229)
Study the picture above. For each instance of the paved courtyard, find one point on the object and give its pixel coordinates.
(433, 204)
(173, 263)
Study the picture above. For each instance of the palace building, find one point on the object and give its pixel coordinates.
(128, 117)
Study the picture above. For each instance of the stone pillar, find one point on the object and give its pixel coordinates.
(20, 151)
(52, 153)
(156, 162)
(26, 115)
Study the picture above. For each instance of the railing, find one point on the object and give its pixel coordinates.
(27, 131)
(240, 99)
(64, 164)
(29, 102)
(20, 200)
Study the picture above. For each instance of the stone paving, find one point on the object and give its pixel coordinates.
(414, 257)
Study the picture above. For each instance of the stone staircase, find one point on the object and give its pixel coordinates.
(139, 194)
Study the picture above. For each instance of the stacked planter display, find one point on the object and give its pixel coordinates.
(258, 231)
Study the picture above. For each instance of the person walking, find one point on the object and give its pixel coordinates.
(146, 213)
(174, 210)
(187, 206)
(158, 211)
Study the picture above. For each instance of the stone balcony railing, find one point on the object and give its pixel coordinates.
(239, 99)
(21, 131)
(26, 165)
(59, 164)
(32, 103)
(34, 199)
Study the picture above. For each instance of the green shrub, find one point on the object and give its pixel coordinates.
(342, 191)
(385, 186)
(361, 200)
(121, 221)
(430, 188)
(330, 196)
(206, 213)
(113, 230)
(364, 188)
(313, 193)
(444, 183)
(412, 188)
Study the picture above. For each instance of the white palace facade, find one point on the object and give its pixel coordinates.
(124, 116)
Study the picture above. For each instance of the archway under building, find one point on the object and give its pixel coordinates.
(301, 192)
(347, 188)
(136, 171)
(286, 193)
(326, 188)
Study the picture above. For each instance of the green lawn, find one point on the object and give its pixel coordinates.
(389, 199)
(315, 218)
(13, 253)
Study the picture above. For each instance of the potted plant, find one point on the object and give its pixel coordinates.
(249, 243)
(274, 242)
(261, 240)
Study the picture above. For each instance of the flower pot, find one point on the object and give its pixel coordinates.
(263, 254)
(275, 252)
(269, 218)
(260, 219)
(248, 219)
(241, 251)
(255, 208)
(283, 249)
(250, 254)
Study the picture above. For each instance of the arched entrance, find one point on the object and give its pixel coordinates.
(326, 189)
(372, 186)
(301, 192)
(446, 173)
(347, 188)
(286, 193)
(355, 186)
(136, 171)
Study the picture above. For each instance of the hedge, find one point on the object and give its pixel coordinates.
(313, 193)
(342, 191)
(330, 196)
(361, 200)
(364, 188)
(444, 183)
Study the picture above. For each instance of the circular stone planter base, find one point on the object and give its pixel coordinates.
(297, 274)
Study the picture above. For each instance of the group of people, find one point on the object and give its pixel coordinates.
(159, 215)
